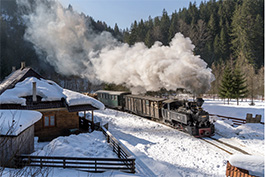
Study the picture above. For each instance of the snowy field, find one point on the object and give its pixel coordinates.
(162, 151)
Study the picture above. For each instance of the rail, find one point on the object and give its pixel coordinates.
(86, 164)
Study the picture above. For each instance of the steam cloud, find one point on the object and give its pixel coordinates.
(73, 48)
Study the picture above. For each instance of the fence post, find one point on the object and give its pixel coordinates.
(133, 166)
(108, 139)
(119, 151)
(40, 162)
(95, 165)
(29, 160)
(63, 162)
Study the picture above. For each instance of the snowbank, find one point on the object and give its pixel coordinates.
(245, 131)
(83, 145)
(254, 164)
(13, 122)
(49, 91)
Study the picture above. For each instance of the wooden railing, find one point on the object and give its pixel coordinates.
(125, 161)
(118, 148)
(86, 164)
(236, 121)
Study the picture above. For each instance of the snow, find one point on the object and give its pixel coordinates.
(163, 151)
(13, 122)
(83, 145)
(48, 90)
(254, 164)
(74, 98)
(218, 107)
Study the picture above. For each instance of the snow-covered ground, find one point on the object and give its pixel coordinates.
(83, 145)
(162, 151)
(232, 110)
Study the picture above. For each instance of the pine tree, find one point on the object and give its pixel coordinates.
(149, 39)
(226, 89)
(246, 31)
(173, 26)
(223, 44)
(165, 24)
(239, 85)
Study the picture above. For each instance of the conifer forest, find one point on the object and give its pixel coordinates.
(227, 34)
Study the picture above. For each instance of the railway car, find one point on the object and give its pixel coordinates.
(112, 99)
(181, 114)
(144, 106)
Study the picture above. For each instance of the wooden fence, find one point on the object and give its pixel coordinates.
(125, 161)
(236, 121)
(86, 164)
(118, 148)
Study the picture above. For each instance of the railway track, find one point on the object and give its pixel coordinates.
(228, 148)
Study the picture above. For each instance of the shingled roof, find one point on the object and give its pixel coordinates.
(17, 76)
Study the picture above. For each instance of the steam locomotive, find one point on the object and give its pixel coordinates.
(185, 115)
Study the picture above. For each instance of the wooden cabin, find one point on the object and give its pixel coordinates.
(16, 134)
(25, 89)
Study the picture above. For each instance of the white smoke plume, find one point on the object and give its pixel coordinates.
(73, 48)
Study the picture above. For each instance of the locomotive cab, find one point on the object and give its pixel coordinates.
(188, 116)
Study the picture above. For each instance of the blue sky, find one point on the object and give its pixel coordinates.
(124, 12)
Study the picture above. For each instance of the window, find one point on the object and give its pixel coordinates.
(49, 121)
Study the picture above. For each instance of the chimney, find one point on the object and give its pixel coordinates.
(34, 92)
(13, 69)
(23, 65)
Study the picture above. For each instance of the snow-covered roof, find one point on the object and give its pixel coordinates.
(17, 76)
(113, 92)
(48, 91)
(75, 98)
(254, 164)
(13, 122)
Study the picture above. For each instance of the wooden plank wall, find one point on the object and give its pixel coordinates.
(232, 171)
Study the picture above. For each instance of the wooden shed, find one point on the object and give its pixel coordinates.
(25, 89)
(16, 134)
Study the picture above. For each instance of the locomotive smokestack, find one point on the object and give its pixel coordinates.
(200, 102)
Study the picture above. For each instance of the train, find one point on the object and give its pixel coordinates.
(184, 115)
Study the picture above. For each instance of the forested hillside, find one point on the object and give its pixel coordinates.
(228, 33)
(218, 29)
